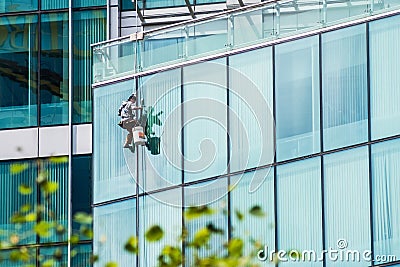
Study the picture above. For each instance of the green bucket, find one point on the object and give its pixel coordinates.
(154, 145)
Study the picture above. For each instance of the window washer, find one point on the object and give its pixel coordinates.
(128, 118)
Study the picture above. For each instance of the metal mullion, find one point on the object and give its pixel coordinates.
(275, 158)
(228, 149)
(371, 203)
(321, 136)
(182, 163)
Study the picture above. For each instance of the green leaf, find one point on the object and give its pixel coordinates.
(201, 237)
(239, 215)
(48, 263)
(155, 233)
(86, 231)
(50, 187)
(83, 218)
(24, 189)
(196, 212)
(132, 245)
(94, 258)
(235, 247)
(58, 254)
(211, 227)
(31, 217)
(74, 239)
(257, 211)
(170, 256)
(18, 218)
(111, 264)
(17, 168)
(43, 229)
(42, 177)
(26, 208)
(58, 159)
(60, 229)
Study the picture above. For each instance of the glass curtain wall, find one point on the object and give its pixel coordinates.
(297, 98)
(7, 6)
(386, 189)
(54, 69)
(18, 71)
(347, 214)
(89, 27)
(114, 166)
(384, 40)
(344, 87)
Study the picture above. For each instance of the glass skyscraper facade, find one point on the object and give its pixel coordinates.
(303, 125)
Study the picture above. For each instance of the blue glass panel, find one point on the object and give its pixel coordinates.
(199, 2)
(11, 201)
(88, 3)
(6, 261)
(47, 254)
(54, 4)
(89, 28)
(344, 83)
(162, 96)
(83, 256)
(346, 196)
(214, 195)
(115, 223)
(384, 58)
(56, 204)
(386, 190)
(205, 120)
(164, 3)
(156, 209)
(114, 167)
(299, 196)
(54, 69)
(81, 186)
(7, 6)
(260, 229)
(251, 123)
(297, 98)
(18, 71)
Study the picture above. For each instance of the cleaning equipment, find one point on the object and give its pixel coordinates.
(139, 138)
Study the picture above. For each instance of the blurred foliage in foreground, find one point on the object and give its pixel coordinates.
(41, 222)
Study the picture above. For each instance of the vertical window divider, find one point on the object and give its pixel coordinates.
(371, 210)
(275, 158)
(137, 184)
(321, 133)
(70, 126)
(182, 164)
(228, 148)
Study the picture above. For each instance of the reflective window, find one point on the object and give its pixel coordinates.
(344, 83)
(162, 158)
(88, 3)
(114, 167)
(81, 186)
(56, 205)
(115, 223)
(89, 28)
(54, 4)
(54, 69)
(243, 199)
(83, 255)
(214, 195)
(10, 204)
(205, 120)
(299, 196)
(18, 71)
(251, 123)
(346, 196)
(386, 189)
(384, 41)
(156, 210)
(297, 98)
(47, 254)
(7, 6)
